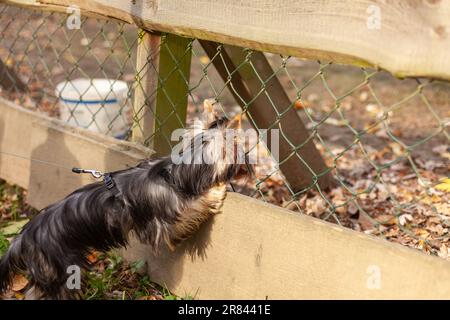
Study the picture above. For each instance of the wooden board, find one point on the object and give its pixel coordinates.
(146, 85)
(173, 89)
(255, 250)
(412, 38)
(162, 88)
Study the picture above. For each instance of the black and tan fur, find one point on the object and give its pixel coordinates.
(159, 201)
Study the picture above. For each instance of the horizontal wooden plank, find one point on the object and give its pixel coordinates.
(407, 38)
(37, 153)
(255, 250)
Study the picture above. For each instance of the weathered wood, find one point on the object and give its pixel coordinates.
(255, 250)
(146, 84)
(410, 40)
(35, 4)
(173, 87)
(55, 148)
(236, 69)
(161, 94)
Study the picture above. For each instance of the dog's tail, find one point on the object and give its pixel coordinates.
(10, 263)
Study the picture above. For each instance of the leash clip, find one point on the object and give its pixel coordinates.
(107, 178)
(95, 173)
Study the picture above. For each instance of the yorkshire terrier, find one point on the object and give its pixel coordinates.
(160, 200)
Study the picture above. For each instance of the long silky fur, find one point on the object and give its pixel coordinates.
(161, 202)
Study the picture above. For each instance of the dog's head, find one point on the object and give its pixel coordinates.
(217, 146)
(226, 148)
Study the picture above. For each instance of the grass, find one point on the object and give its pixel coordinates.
(4, 243)
(122, 281)
(113, 278)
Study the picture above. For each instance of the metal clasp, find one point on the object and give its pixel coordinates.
(95, 173)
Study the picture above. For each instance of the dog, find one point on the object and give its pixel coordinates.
(159, 200)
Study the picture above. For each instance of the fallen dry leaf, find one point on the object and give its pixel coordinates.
(397, 149)
(404, 219)
(365, 222)
(386, 219)
(299, 105)
(444, 185)
(422, 233)
(352, 208)
(336, 122)
(19, 296)
(93, 257)
(363, 96)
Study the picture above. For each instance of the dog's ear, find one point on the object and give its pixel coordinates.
(208, 106)
(209, 112)
(235, 123)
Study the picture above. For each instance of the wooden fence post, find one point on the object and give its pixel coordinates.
(161, 95)
(244, 85)
(173, 89)
(144, 100)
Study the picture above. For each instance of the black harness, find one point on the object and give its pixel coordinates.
(111, 185)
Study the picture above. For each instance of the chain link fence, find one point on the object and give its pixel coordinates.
(384, 142)
(39, 51)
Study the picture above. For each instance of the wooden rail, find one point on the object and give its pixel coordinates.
(251, 250)
(255, 250)
(407, 38)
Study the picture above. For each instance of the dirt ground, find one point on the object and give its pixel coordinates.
(387, 177)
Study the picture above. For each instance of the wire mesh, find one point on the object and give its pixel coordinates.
(39, 47)
(385, 141)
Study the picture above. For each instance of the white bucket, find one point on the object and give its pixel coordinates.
(99, 105)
